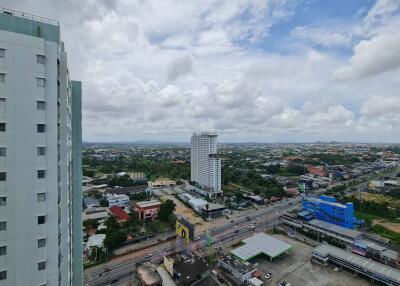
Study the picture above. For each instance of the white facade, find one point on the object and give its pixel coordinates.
(39, 173)
(117, 200)
(205, 165)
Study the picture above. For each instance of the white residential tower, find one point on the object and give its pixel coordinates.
(205, 163)
(40, 156)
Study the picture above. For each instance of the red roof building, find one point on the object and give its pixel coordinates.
(147, 209)
(292, 191)
(119, 214)
(317, 170)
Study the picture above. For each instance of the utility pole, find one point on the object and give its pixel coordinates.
(209, 247)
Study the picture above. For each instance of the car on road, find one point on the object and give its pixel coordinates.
(248, 218)
(220, 279)
(268, 276)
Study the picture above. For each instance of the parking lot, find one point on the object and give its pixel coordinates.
(297, 269)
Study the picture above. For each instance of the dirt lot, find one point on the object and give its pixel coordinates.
(188, 213)
(296, 268)
(389, 225)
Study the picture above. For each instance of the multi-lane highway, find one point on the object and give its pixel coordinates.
(232, 231)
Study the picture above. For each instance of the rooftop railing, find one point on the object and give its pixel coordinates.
(28, 16)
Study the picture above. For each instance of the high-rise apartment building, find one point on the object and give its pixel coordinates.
(40, 156)
(205, 163)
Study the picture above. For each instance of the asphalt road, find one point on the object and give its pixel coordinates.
(239, 229)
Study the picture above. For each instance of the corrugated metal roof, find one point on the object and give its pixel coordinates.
(365, 263)
(261, 243)
(335, 228)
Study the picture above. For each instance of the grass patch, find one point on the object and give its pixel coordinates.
(383, 231)
(365, 216)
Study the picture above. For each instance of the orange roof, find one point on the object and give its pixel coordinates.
(256, 274)
(119, 213)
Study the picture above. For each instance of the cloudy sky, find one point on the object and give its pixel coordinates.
(255, 70)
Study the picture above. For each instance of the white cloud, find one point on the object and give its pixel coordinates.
(179, 67)
(162, 69)
(326, 37)
(381, 11)
(374, 56)
(376, 52)
(381, 106)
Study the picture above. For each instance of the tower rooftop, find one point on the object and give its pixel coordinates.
(30, 25)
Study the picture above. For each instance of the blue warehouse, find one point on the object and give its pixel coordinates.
(328, 209)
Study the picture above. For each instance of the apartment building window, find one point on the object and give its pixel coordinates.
(41, 174)
(41, 219)
(41, 265)
(40, 82)
(2, 77)
(41, 197)
(2, 53)
(40, 59)
(41, 105)
(3, 201)
(3, 176)
(3, 225)
(41, 128)
(3, 250)
(2, 127)
(41, 151)
(41, 242)
(3, 275)
(2, 151)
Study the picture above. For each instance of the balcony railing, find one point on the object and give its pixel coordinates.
(28, 16)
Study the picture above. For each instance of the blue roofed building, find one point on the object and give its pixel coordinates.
(328, 209)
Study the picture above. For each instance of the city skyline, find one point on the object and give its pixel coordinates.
(293, 114)
(262, 71)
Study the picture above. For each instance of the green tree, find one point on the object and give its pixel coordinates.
(114, 238)
(91, 222)
(172, 220)
(112, 224)
(166, 209)
(89, 172)
(155, 226)
(115, 235)
(103, 203)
